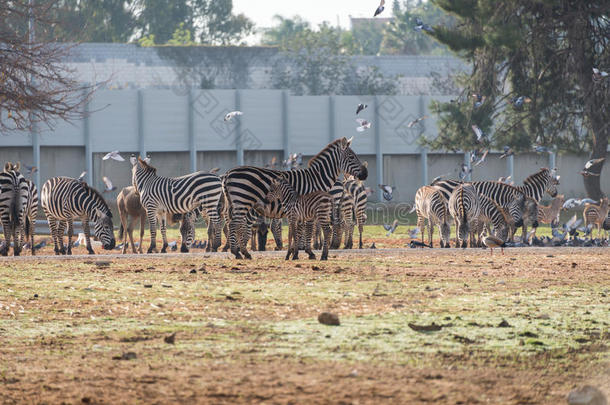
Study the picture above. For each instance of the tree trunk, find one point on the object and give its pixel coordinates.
(599, 149)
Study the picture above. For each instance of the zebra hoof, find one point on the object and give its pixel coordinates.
(288, 255)
(247, 256)
(70, 252)
(184, 249)
(324, 257)
(91, 252)
(312, 256)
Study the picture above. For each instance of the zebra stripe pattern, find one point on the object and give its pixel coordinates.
(245, 186)
(430, 204)
(30, 214)
(465, 207)
(357, 193)
(492, 213)
(64, 199)
(309, 208)
(596, 215)
(535, 185)
(13, 199)
(179, 195)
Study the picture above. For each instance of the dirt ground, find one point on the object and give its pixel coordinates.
(525, 327)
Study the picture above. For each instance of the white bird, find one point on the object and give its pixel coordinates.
(232, 114)
(379, 9)
(465, 171)
(113, 155)
(482, 159)
(415, 121)
(108, 185)
(598, 74)
(576, 203)
(360, 107)
(82, 176)
(593, 162)
(419, 26)
(413, 233)
(478, 132)
(391, 228)
(505, 180)
(387, 191)
(364, 125)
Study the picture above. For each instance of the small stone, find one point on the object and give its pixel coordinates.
(166, 285)
(353, 373)
(171, 339)
(501, 282)
(587, 395)
(328, 318)
(315, 268)
(574, 264)
(485, 273)
(35, 295)
(102, 263)
(193, 271)
(126, 356)
(147, 285)
(85, 400)
(504, 324)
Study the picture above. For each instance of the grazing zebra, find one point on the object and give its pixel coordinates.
(430, 203)
(465, 207)
(13, 201)
(357, 192)
(176, 195)
(491, 212)
(596, 215)
(63, 199)
(281, 200)
(245, 186)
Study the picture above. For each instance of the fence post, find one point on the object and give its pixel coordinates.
(88, 152)
(552, 158)
(285, 136)
(510, 162)
(140, 118)
(467, 163)
(35, 153)
(239, 147)
(191, 132)
(331, 118)
(424, 166)
(378, 151)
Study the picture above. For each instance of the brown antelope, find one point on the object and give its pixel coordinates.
(596, 215)
(549, 214)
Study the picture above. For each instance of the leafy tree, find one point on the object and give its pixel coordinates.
(285, 32)
(543, 51)
(364, 38)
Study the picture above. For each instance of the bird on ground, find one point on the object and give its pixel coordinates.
(173, 245)
(465, 171)
(492, 242)
(364, 125)
(576, 203)
(599, 75)
(419, 26)
(593, 162)
(586, 231)
(482, 158)
(40, 245)
(387, 191)
(373, 246)
(114, 155)
(82, 176)
(360, 108)
(108, 185)
(230, 115)
(415, 121)
(379, 9)
(518, 101)
(80, 240)
(391, 228)
(415, 244)
(586, 173)
(214, 170)
(413, 233)
(508, 151)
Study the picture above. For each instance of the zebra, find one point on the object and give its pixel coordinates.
(30, 214)
(176, 195)
(430, 203)
(13, 201)
(465, 207)
(535, 185)
(596, 215)
(491, 212)
(245, 186)
(357, 193)
(63, 199)
(337, 192)
(281, 200)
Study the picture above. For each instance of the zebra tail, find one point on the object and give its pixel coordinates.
(28, 227)
(14, 209)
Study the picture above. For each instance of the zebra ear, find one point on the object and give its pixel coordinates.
(365, 164)
(133, 160)
(349, 141)
(17, 166)
(7, 166)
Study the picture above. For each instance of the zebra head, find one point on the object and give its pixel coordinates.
(140, 171)
(103, 228)
(541, 181)
(349, 162)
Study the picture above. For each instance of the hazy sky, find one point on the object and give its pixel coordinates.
(314, 11)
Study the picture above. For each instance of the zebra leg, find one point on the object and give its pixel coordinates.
(225, 230)
(431, 232)
(152, 221)
(87, 231)
(360, 229)
(326, 230)
(290, 240)
(142, 226)
(236, 225)
(276, 230)
(70, 233)
(7, 239)
(53, 229)
(32, 231)
(308, 230)
(216, 222)
(164, 233)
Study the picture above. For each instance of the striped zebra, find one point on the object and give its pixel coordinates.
(13, 200)
(357, 193)
(492, 213)
(176, 195)
(596, 215)
(64, 199)
(337, 192)
(282, 201)
(431, 204)
(535, 185)
(245, 186)
(30, 214)
(465, 207)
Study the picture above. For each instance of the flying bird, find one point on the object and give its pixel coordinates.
(576, 203)
(82, 176)
(391, 228)
(415, 121)
(478, 132)
(360, 108)
(586, 173)
(593, 162)
(31, 169)
(518, 101)
(114, 155)
(482, 158)
(599, 75)
(413, 233)
(214, 170)
(508, 151)
(465, 171)
(108, 185)
(232, 114)
(364, 125)
(380, 8)
(541, 149)
(419, 26)
(387, 191)
(368, 191)
(478, 100)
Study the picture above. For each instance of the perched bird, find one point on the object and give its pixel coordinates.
(478, 100)
(541, 149)
(518, 101)
(508, 151)
(599, 75)
(586, 173)
(387, 191)
(492, 242)
(391, 228)
(593, 162)
(479, 133)
(108, 185)
(413, 233)
(482, 158)
(230, 115)
(360, 108)
(214, 170)
(82, 176)
(415, 121)
(113, 155)
(364, 125)
(465, 171)
(379, 9)
(419, 26)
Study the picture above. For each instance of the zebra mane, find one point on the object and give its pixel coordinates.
(146, 165)
(538, 174)
(330, 146)
(99, 197)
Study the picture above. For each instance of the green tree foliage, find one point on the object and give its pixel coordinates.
(285, 32)
(400, 38)
(543, 51)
